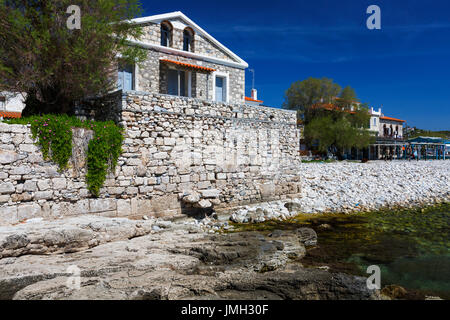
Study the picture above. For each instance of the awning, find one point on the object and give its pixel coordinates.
(7, 114)
(188, 65)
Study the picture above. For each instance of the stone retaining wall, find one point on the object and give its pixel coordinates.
(228, 154)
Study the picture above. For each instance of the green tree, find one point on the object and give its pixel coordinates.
(347, 98)
(338, 130)
(55, 66)
(302, 95)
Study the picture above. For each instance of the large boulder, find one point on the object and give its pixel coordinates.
(307, 236)
(203, 204)
(192, 197)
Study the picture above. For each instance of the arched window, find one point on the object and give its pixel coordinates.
(166, 34)
(188, 40)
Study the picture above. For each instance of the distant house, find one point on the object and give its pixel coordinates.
(253, 100)
(386, 127)
(11, 105)
(389, 136)
(387, 130)
(184, 60)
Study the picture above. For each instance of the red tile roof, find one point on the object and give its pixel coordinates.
(330, 107)
(7, 114)
(253, 100)
(392, 119)
(188, 65)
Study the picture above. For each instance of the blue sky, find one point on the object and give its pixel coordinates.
(405, 66)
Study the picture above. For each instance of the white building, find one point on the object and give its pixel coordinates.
(11, 105)
(385, 127)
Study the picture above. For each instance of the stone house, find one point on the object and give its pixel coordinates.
(184, 60)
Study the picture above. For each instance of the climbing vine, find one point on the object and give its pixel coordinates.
(54, 136)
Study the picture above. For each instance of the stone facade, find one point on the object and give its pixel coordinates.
(201, 45)
(204, 52)
(174, 146)
(152, 77)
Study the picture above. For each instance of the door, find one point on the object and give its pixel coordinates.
(125, 78)
(220, 89)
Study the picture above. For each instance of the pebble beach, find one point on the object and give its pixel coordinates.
(352, 187)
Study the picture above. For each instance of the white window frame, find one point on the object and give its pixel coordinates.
(225, 75)
(188, 74)
(135, 76)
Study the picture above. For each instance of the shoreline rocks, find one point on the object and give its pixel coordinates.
(355, 187)
(176, 262)
(69, 235)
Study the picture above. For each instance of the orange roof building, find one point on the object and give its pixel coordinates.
(253, 100)
(11, 105)
(10, 115)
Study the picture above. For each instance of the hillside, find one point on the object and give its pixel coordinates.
(414, 133)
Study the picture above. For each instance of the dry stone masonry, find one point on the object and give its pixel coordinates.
(179, 155)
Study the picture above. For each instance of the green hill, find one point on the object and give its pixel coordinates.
(425, 133)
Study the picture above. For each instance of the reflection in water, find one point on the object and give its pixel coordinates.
(411, 247)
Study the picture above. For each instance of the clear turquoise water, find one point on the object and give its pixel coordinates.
(411, 247)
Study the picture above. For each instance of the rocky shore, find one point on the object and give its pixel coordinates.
(154, 259)
(353, 187)
(120, 258)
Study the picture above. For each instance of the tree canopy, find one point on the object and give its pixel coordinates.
(339, 130)
(55, 66)
(333, 118)
(302, 95)
(347, 98)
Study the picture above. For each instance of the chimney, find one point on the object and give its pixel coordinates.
(254, 94)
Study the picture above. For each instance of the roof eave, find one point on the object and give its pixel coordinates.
(197, 28)
(189, 54)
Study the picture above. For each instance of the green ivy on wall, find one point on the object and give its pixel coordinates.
(54, 134)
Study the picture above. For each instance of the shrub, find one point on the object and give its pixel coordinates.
(54, 136)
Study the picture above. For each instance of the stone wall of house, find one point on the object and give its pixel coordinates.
(152, 34)
(174, 147)
(151, 77)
